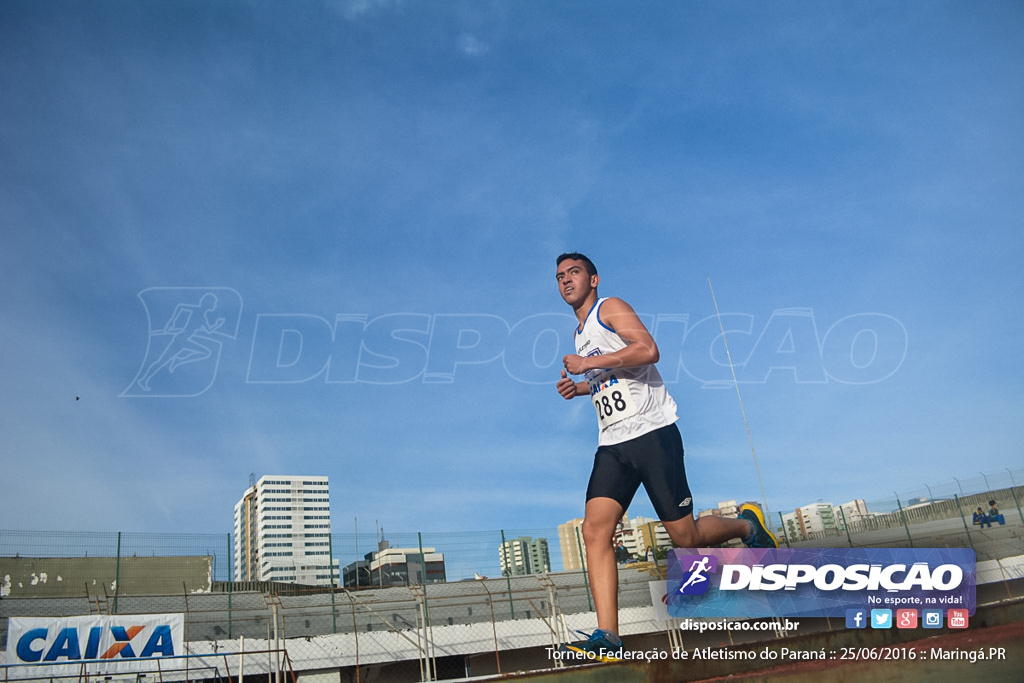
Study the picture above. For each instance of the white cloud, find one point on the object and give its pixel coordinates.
(472, 46)
(354, 9)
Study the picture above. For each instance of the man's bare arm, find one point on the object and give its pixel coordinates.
(569, 388)
(640, 348)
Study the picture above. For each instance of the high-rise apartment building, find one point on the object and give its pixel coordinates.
(647, 533)
(570, 540)
(282, 532)
(524, 555)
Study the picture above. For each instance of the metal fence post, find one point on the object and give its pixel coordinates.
(117, 572)
(231, 581)
(583, 562)
(846, 526)
(428, 632)
(963, 519)
(494, 624)
(785, 531)
(1013, 492)
(903, 516)
(330, 561)
(507, 571)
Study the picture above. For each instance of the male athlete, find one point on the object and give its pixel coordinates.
(638, 443)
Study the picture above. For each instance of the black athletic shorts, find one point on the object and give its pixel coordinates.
(655, 460)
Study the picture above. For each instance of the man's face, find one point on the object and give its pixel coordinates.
(574, 284)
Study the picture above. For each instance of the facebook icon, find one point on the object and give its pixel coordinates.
(856, 618)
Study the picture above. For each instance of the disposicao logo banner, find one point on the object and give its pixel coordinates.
(117, 640)
(789, 582)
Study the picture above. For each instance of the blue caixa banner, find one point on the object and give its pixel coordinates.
(826, 582)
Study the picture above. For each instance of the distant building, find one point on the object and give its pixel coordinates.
(817, 518)
(570, 540)
(647, 533)
(791, 527)
(396, 567)
(852, 512)
(729, 509)
(635, 534)
(283, 532)
(523, 555)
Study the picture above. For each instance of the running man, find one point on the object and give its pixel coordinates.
(638, 443)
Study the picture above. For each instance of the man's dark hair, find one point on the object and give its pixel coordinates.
(576, 256)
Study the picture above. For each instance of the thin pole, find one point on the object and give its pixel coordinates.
(785, 531)
(583, 561)
(428, 632)
(117, 572)
(231, 582)
(903, 515)
(508, 575)
(334, 583)
(764, 496)
(1013, 493)
(963, 518)
(355, 631)
(846, 526)
(494, 625)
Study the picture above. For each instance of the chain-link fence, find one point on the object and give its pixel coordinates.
(951, 514)
(476, 620)
(407, 633)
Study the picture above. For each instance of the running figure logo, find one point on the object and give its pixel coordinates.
(187, 329)
(696, 570)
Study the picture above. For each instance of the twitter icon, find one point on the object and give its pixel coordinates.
(881, 618)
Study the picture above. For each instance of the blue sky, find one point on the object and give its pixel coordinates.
(847, 174)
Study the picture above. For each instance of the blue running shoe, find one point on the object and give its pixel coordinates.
(762, 537)
(600, 646)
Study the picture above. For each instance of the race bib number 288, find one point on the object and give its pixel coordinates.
(612, 402)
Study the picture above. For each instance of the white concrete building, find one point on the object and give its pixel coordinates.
(570, 540)
(647, 532)
(283, 530)
(524, 555)
(816, 518)
(854, 511)
(791, 527)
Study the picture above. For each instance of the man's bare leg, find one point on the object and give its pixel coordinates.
(706, 532)
(600, 518)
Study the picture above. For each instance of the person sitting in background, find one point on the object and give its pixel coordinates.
(981, 518)
(993, 514)
(621, 554)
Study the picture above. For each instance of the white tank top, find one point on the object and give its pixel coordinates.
(629, 402)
